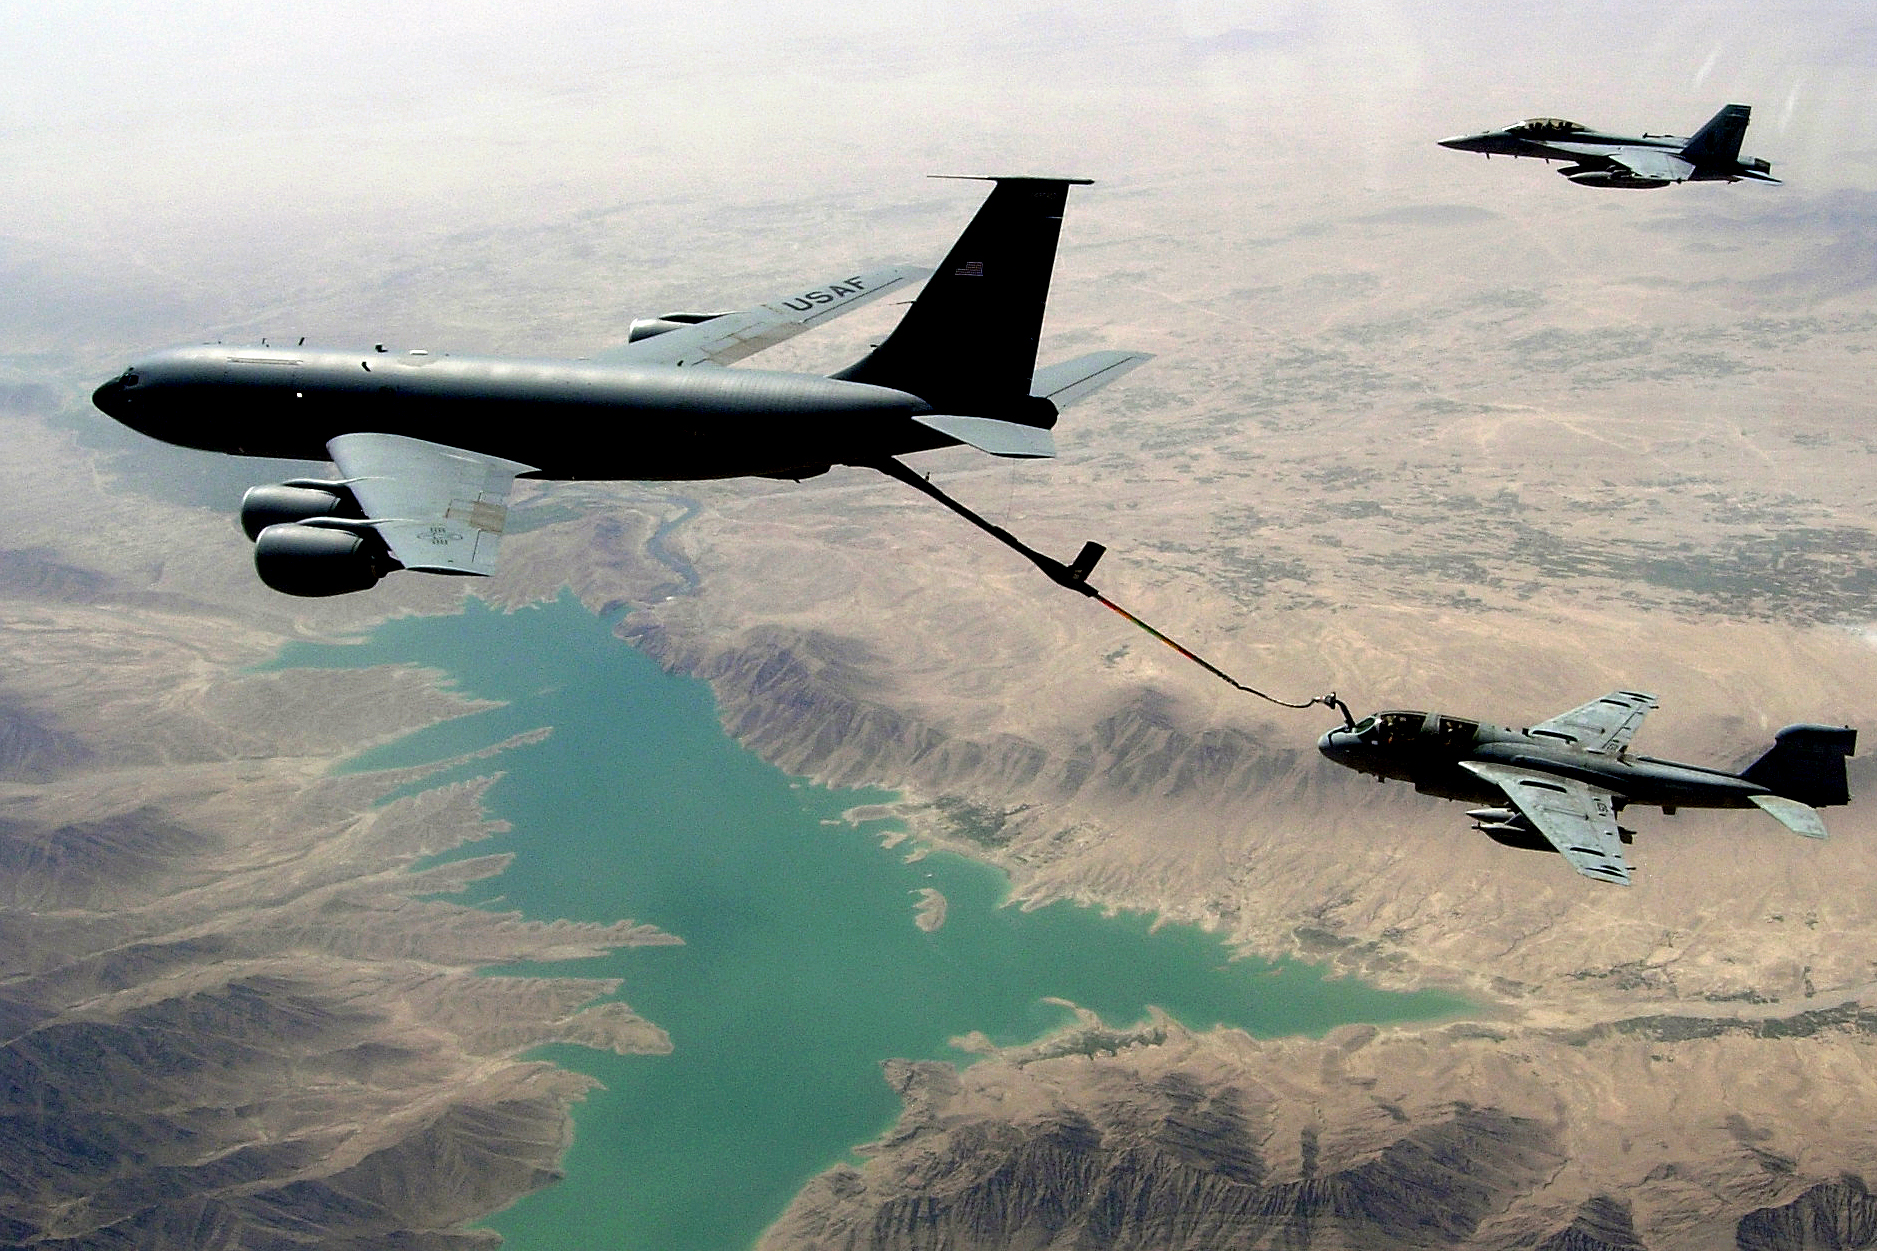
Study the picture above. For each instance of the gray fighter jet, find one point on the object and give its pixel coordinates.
(428, 446)
(1559, 785)
(1597, 159)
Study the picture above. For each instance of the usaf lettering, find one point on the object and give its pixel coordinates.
(826, 295)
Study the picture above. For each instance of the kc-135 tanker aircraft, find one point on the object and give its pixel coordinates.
(428, 446)
(1596, 159)
(1566, 779)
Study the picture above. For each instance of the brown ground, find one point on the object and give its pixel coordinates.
(1493, 461)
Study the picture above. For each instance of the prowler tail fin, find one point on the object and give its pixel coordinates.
(1806, 763)
(967, 346)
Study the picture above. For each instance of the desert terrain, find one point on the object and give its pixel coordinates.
(1499, 500)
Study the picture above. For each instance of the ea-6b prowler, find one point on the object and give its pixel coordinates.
(1560, 785)
(428, 446)
(1596, 159)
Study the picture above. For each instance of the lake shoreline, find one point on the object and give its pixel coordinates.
(543, 879)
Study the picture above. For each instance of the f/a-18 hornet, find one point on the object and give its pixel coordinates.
(1560, 785)
(1597, 159)
(428, 446)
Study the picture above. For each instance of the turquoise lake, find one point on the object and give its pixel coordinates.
(801, 969)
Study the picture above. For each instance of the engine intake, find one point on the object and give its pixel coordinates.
(314, 560)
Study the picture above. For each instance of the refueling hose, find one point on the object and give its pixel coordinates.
(1074, 576)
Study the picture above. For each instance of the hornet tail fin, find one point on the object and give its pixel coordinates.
(1718, 142)
(967, 346)
(1806, 763)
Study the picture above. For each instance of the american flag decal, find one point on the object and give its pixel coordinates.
(970, 269)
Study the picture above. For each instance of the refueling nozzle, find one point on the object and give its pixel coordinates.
(1084, 563)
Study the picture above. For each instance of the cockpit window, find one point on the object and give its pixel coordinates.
(1545, 126)
(130, 378)
(1364, 726)
(1453, 732)
(1397, 727)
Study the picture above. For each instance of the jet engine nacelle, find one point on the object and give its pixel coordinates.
(1610, 178)
(313, 560)
(298, 500)
(647, 327)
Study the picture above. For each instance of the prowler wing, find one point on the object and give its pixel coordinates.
(1604, 724)
(1578, 820)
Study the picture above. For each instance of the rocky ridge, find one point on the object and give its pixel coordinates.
(1453, 1137)
(238, 1007)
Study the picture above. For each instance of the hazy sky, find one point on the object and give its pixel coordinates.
(146, 144)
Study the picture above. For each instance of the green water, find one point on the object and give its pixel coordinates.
(802, 968)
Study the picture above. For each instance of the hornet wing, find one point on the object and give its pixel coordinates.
(1638, 165)
(439, 509)
(1651, 163)
(1578, 820)
(1602, 725)
(724, 338)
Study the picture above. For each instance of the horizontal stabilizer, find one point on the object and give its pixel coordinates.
(999, 438)
(1795, 816)
(1072, 381)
